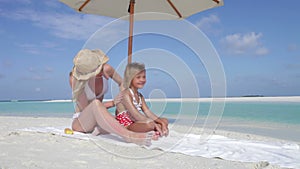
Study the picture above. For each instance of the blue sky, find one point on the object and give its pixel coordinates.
(258, 43)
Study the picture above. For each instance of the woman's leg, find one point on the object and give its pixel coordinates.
(95, 114)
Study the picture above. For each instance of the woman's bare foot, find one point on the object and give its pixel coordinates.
(142, 138)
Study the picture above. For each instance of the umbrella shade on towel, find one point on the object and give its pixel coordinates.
(120, 8)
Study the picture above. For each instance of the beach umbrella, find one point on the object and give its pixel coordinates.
(120, 8)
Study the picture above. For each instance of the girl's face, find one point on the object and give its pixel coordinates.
(139, 80)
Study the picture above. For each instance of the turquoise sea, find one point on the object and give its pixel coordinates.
(279, 112)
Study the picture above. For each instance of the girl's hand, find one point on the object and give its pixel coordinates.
(165, 130)
(164, 126)
(157, 128)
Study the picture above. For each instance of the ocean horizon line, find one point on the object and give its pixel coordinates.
(204, 99)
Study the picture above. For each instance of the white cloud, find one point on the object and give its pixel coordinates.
(34, 78)
(31, 69)
(16, 1)
(37, 89)
(207, 24)
(30, 48)
(261, 51)
(49, 45)
(68, 26)
(72, 26)
(37, 49)
(52, 3)
(37, 74)
(293, 47)
(6, 64)
(49, 69)
(248, 43)
(293, 66)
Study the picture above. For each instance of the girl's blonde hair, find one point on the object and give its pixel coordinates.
(131, 70)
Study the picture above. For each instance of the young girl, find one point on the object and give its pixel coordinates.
(133, 112)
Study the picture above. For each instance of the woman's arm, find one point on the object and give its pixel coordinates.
(109, 104)
(109, 72)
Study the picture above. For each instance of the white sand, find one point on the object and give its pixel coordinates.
(20, 149)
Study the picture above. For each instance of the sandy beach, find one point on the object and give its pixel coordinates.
(23, 149)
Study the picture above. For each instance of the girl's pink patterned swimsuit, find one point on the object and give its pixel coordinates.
(124, 118)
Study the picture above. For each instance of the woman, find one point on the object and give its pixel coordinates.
(88, 81)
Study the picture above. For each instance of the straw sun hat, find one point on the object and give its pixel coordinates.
(88, 63)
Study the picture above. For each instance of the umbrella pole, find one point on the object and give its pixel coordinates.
(130, 38)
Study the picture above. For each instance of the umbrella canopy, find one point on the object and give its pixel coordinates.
(120, 8)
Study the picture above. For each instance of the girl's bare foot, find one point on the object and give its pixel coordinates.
(157, 133)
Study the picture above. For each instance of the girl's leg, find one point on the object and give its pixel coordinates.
(165, 120)
(145, 127)
(95, 114)
(141, 126)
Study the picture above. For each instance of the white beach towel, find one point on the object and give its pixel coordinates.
(284, 154)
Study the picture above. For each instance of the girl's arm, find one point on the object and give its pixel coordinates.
(147, 111)
(162, 121)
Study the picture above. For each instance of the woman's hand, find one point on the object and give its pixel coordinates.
(118, 99)
(114, 102)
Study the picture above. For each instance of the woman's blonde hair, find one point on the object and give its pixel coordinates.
(77, 86)
(131, 70)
